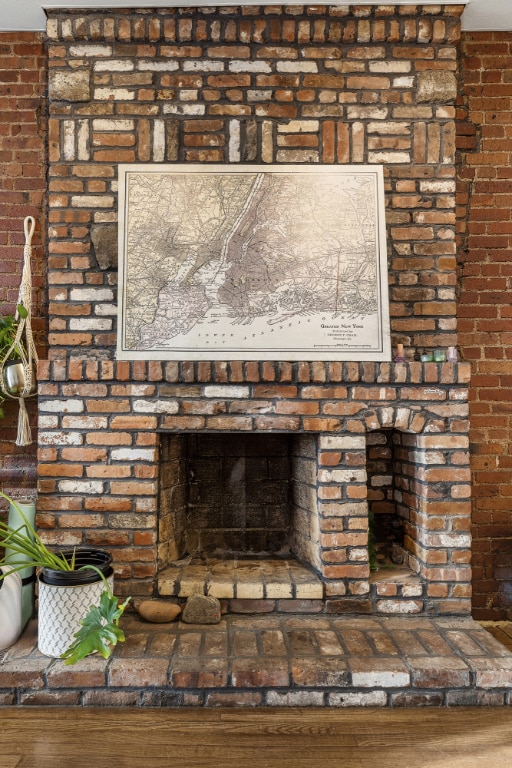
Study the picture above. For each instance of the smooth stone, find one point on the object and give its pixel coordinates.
(158, 611)
(201, 609)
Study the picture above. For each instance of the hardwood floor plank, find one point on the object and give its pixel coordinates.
(10, 761)
(261, 738)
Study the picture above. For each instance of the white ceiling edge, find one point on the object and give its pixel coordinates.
(29, 15)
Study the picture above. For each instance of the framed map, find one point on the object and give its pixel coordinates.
(223, 262)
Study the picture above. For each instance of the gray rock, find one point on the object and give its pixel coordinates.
(201, 609)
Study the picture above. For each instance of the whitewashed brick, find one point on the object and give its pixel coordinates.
(68, 139)
(148, 65)
(184, 109)
(367, 113)
(104, 124)
(390, 127)
(234, 141)
(226, 391)
(83, 140)
(295, 699)
(52, 29)
(403, 82)
(360, 699)
(132, 521)
(90, 324)
(297, 66)
(389, 157)
(81, 486)
(61, 406)
(156, 406)
(158, 141)
(342, 476)
(299, 126)
(85, 422)
(345, 442)
(437, 186)
(114, 94)
(203, 66)
(60, 438)
(267, 142)
(133, 454)
(412, 590)
(90, 50)
(114, 65)
(91, 294)
(92, 201)
(390, 66)
(399, 607)
(105, 309)
(249, 66)
(47, 422)
(262, 95)
(380, 679)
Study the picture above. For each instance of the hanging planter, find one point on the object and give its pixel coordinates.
(15, 382)
(19, 361)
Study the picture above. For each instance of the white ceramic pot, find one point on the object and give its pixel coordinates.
(27, 575)
(60, 612)
(10, 608)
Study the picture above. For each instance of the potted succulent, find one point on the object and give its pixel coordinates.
(78, 612)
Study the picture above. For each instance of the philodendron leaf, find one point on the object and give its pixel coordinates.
(99, 630)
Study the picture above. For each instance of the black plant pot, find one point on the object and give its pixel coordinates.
(83, 556)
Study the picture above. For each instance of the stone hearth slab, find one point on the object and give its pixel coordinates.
(273, 660)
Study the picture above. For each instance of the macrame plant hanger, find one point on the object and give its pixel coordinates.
(23, 345)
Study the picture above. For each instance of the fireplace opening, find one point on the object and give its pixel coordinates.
(238, 515)
(238, 494)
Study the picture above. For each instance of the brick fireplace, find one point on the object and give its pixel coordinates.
(117, 439)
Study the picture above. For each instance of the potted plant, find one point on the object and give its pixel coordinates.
(78, 612)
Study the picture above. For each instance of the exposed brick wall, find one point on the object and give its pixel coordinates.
(22, 193)
(275, 84)
(485, 313)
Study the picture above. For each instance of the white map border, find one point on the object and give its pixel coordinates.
(330, 337)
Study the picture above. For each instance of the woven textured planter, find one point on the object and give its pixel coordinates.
(61, 609)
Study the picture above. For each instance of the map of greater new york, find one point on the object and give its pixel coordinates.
(252, 263)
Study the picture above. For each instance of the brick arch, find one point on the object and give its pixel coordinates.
(402, 418)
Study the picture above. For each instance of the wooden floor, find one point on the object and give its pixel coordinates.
(278, 738)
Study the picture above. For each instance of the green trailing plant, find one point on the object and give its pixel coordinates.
(8, 329)
(100, 629)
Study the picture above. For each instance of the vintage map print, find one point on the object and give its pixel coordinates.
(221, 262)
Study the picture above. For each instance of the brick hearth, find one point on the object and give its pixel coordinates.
(274, 660)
